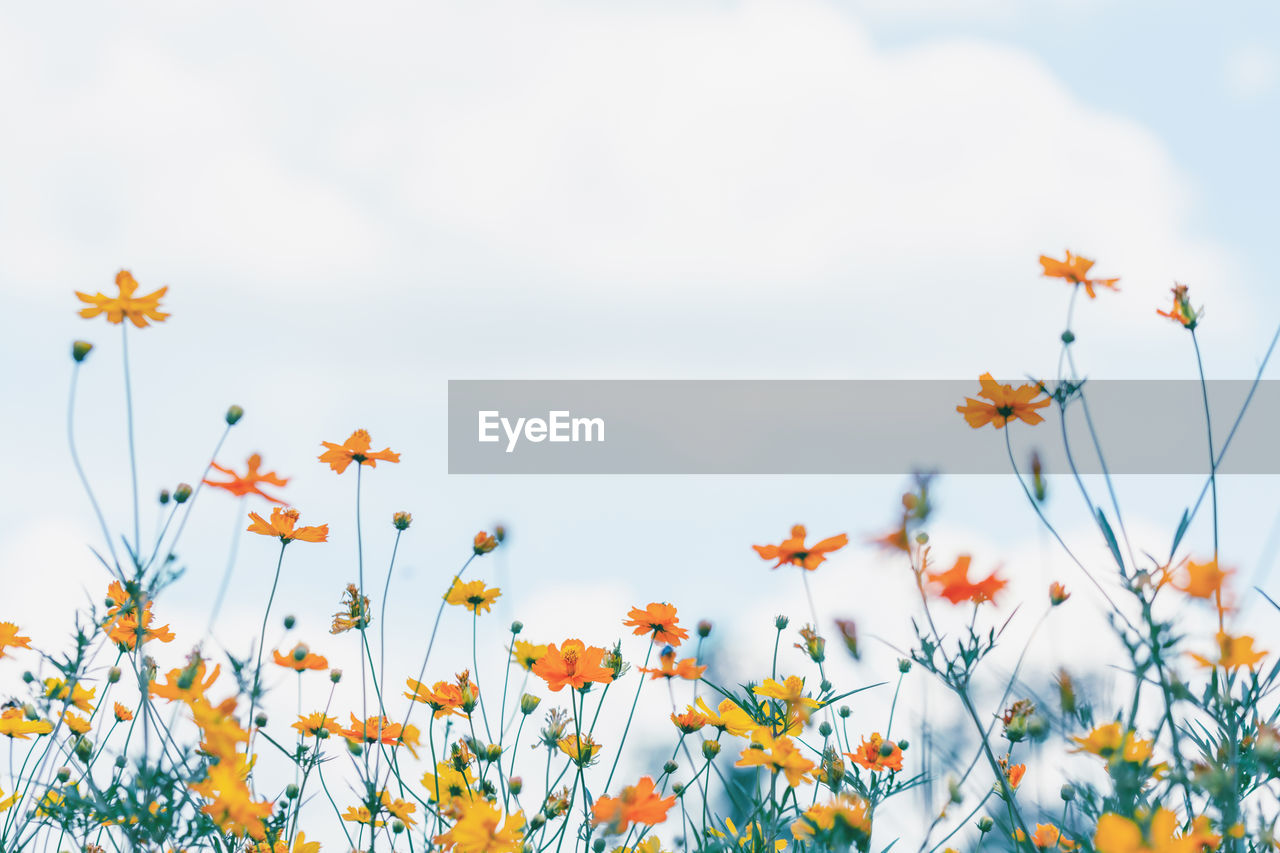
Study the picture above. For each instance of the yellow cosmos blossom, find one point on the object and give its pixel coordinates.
(1119, 834)
(780, 755)
(15, 725)
(527, 654)
(71, 694)
(9, 638)
(838, 825)
(581, 749)
(481, 828)
(448, 782)
(300, 845)
(473, 595)
(124, 305)
(728, 717)
(752, 837)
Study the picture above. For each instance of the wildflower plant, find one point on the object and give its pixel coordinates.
(473, 755)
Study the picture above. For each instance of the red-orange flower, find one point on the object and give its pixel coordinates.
(300, 659)
(574, 664)
(1003, 403)
(795, 552)
(283, 523)
(687, 668)
(1075, 270)
(660, 621)
(639, 803)
(954, 584)
(138, 309)
(870, 755)
(248, 483)
(355, 449)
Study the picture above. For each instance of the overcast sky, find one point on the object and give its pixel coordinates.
(352, 207)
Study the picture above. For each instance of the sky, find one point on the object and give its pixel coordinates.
(350, 210)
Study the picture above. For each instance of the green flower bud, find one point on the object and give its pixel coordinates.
(401, 520)
(517, 626)
(670, 767)
(289, 622)
(182, 493)
(234, 414)
(291, 791)
(984, 824)
(710, 749)
(80, 350)
(529, 703)
(781, 622)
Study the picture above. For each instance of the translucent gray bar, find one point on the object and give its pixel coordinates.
(844, 427)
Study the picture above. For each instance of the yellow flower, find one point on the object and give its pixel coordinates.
(138, 309)
(448, 782)
(779, 755)
(527, 654)
(581, 750)
(76, 723)
(837, 825)
(15, 725)
(1118, 834)
(9, 638)
(472, 595)
(728, 717)
(72, 694)
(1234, 652)
(482, 829)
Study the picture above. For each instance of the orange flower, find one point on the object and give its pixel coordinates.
(639, 803)
(689, 722)
(1057, 593)
(1013, 774)
(955, 586)
(1006, 403)
(122, 624)
(300, 659)
(1181, 312)
(657, 619)
(355, 449)
(871, 755)
(139, 309)
(1075, 271)
(1046, 835)
(1204, 580)
(1233, 652)
(483, 543)
(123, 714)
(9, 638)
(372, 730)
(312, 724)
(793, 550)
(248, 484)
(187, 683)
(687, 668)
(574, 664)
(443, 698)
(282, 525)
(355, 612)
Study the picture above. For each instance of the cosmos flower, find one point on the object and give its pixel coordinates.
(137, 309)
(283, 524)
(248, 483)
(355, 449)
(795, 552)
(1075, 271)
(1003, 403)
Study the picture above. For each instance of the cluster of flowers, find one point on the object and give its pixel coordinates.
(763, 766)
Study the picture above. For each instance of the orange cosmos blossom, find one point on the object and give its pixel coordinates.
(186, 684)
(869, 754)
(954, 584)
(574, 664)
(372, 730)
(657, 619)
(355, 449)
(687, 668)
(1046, 835)
(138, 309)
(300, 659)
(1181, 312)
(311, 724)
(9, 638)
(123, 713)
(283, 523)
(1075, 271)
(639, 803)
(795, 552)
(1203, 580)
(247, 484)
(1003, 403)
(1233, 652)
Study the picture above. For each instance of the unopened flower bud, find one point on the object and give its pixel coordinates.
(323, 734)
(1068, 337)
(670, 767)
(1016, 729)
(27, 677)
(397, 826)
(164, 497)
(677, 789)
(289, 622)
(1068, 793)
(781, 622)
(355, 747)
(904, 744)
(291, 791)
(515, 785)
(517, 626)
(710, 749)
(29, 711)
(84, 749)
(64, 773)
(80, 350)
(886, 749)
(529, 703)
(704, 628)
(234, 414)
(120, 761)
(113, 675)
(182, 493)
(335, 675)
(483, 543)
(904, 665)
(260, 719)
(537, 822)
(598, 845)
(922, 538)
(494, 752)
(825, 729)
(401, 520)
(844, 711)
(984, 824)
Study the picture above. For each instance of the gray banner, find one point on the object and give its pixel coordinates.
(842, 427)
